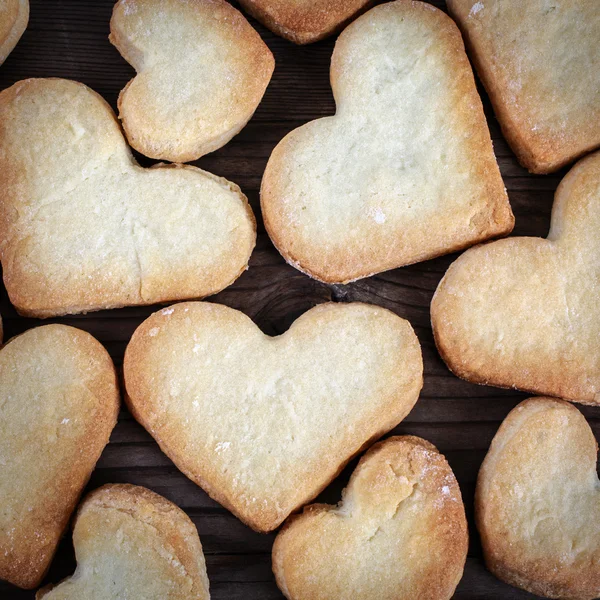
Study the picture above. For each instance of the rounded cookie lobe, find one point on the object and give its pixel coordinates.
(399, 533)
(83, 227)
(538, 504)
(305, 21)
(523, 312)
(404, 171)
(14, 16)
(60, 400)
(133, 543)
(202, 71)
(264, 424)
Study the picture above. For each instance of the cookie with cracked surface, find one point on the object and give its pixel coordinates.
(404, 171)
(133, 543)
(59, 401)
(202, 72)
(83, 227)
(523, 312)
(264, 424)
(540, 64)
(399, 533)
(14, 16)
(305, 21)
(537, 502)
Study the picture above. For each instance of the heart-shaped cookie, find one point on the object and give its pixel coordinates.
(202, 71)
(524, 312)
(133, 543)
(540, 63)
(404, 171)
(538, 502)
(400, 532)
(14, 16)
(83, 227)
(59, 401)
(304, 21)
(264, 424)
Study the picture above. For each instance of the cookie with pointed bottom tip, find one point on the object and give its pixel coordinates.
(404, 171)
(264, 424)
(305, 21)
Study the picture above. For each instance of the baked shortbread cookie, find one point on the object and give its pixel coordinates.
(133, 543)
(264, 424)
(304, 21)
(538, 502)
(400, 532)
(202, 71)
(539, 61)
(14, 16)
(404, 171)
(59, 401)
(525, 312)
(83, 227)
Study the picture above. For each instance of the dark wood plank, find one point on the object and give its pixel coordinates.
(68, 38)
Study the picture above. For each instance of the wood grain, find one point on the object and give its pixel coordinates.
(68, 38)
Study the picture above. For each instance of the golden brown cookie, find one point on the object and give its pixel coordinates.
(59, 401)
(305, 21)
(133, 543)
(540, 63)
(202, 71)
(524, 312)
(399, 533)
(264, 424)
(538, 502)
(84, 227)
(404, 171)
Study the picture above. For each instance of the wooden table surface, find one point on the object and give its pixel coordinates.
(69, 38)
